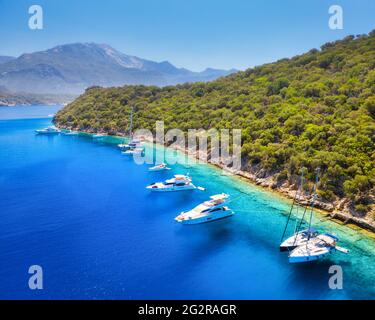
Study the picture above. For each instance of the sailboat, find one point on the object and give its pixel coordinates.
(316, 248)
(308, 245)
(299, 236)
(134, 146)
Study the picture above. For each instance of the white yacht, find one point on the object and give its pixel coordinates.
(132, 152)
(50, 131)
(315, 249)
(207, 211)
(178, 183)
(159, 167)
(298, 239)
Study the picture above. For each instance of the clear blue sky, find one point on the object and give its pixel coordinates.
(189, 33)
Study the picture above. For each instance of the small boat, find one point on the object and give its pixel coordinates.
(49, 131)
(69, 133)
(315, 249)
(98, 136)
(132, 152)
(159, 167)
(207, 211)
(135, 143)
(178, 183)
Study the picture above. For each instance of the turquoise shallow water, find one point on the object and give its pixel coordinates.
(80, 210)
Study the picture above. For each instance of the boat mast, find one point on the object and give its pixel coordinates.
(298, 192)
(131, 123)
(314, 198)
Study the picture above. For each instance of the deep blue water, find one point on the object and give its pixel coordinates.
(80, 210)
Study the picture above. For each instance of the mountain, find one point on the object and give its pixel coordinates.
(8, 98)
(72, 68)
(313, 110)
(4, 59)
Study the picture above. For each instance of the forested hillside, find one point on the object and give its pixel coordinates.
(315, 109)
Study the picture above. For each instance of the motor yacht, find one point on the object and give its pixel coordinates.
(159, 167)
(48, 131)
(178, 183)
(210, 210)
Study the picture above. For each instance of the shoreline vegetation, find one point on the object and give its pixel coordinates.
(268, 184)
(313, 110)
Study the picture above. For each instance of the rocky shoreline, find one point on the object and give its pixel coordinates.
(339, 210)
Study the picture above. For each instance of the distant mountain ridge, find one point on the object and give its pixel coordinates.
(71, 68)
(4, 59)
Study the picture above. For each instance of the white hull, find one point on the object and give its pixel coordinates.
(72, 133)
(309, 257)
(126, 153)
(46, 133)
(172, 189)
(315, 249)
(155, 169)
(209, 218)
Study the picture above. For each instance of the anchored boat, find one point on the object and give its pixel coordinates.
(98, 136)
(207, 211)
(134, 143)
(178, 183)
(69, 133)
(308, 245)
(316, 248)
(299, 236)
(135, 151)
(49, 131)
(159, 167)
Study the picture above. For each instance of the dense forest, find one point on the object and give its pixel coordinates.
(313, 110)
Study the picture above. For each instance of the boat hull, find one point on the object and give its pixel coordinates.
(310, 258)
(46, 133)
(157, 169)
(206, 219)
(174, 189)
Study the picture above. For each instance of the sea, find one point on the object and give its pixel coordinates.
(78, 209)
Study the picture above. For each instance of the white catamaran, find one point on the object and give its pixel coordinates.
(207, 211)
(315, 249)
(308, 245)
(134, 147)
(299, 236)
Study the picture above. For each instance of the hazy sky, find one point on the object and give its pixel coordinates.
(189, 33)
